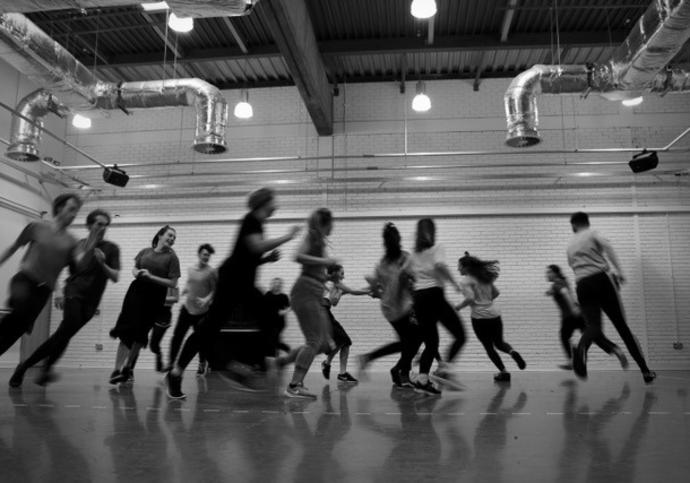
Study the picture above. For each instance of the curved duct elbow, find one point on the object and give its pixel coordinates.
(211, 106)
(26, 130)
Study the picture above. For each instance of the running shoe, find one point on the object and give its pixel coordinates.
(518, 360)
(347, 377)
(299, 391)
(404, 381)
(202, 370)
(175, 386)
(118, 377)
(502, 376)
(428, 389)
(326, 369)
(395, 375)
(580, 363)
(649, 376)
(18, 376)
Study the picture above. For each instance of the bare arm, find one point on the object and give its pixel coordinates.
(350, 291)
(468, 292)
(166, 282)
(442, 269)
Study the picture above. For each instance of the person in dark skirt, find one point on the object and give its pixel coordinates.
(155, 270)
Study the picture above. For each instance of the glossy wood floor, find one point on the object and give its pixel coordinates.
(545, 426)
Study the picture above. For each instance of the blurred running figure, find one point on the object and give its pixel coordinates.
(589, 255)
(480, 293)
(335, 288)
(82, 294)
(199, 289)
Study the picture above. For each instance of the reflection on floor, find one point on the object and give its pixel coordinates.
(543, 427)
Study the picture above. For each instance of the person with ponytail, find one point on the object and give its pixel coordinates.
(430, 272)
(480, 293)
(306, 300)
(156, 269)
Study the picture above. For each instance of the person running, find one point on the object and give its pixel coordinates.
(335, 288)
(236, 285)
(81, 296)
(390, 284)
(571, 318)
(480, 293)
(199, 289)
(307, 302)
(156, 269)
(277, 307)
(428, 268)
(591, 256)
(161, 326)
(50, 248)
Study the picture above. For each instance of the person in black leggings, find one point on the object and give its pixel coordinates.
(390, 284)
(480, 293)
(589, 255)
(428, 268)
(82, 294)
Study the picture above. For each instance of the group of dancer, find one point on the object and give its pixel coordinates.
(410, 286)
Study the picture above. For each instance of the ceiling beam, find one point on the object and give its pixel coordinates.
(161, 35)
(293, 33)
(386, 47)
(508, 19)
(235, 35)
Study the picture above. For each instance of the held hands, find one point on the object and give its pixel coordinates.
(294, 231)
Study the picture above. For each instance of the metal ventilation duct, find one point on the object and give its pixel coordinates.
(633, 69)
(182, 8)
(29, 49)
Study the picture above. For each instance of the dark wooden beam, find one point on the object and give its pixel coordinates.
(293, 33)
(386, 46)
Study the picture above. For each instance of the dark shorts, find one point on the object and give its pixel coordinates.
(340, 337)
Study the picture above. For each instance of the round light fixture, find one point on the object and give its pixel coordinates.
(81, 122)
(421, 102)
(423, 8)
(243, 110)
(180, 24)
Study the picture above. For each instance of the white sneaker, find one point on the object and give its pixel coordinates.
(299, 391)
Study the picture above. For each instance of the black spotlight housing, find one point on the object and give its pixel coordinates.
(644, 161)
(115, 176)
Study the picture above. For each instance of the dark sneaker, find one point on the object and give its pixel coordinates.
(119, 377)
(347, 377)
(502, 377)
(299, 391)
(621, 357)
(428, 388)
(649, 376)
(18, 376)
(46, 377)
(326, 369)
(175, 386)
(405, 381)
(518, 360)
(202, 369)
(580, 363)
(395, 375)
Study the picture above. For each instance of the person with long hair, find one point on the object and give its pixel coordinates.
(430, 272)
(199, 291)
(335, 288)
(480, 293)
(81, 295)
(306, 300)
(50, 248)
(599, 275)
(236, 287)
(156, 269)
(390, 283)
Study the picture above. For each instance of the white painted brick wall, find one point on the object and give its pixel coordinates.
(524, 224)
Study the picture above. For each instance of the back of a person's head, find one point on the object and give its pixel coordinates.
(579, 218)
(391, 241)
(485, 271)
(426, 234)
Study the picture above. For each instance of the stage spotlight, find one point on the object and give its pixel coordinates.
(644, 161)
(115, 176)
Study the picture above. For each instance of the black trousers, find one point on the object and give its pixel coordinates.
(76, 313)
(185, 321)
(27, 299)
(596, 293)
(490, 334)
(409, 341)
(569, 325)
(431, 306)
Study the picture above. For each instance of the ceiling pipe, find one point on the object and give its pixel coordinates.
(182, 8)
(33, 53)
(634, 68)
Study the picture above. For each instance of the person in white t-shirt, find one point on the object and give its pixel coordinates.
(480, 292)
(428, 268)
